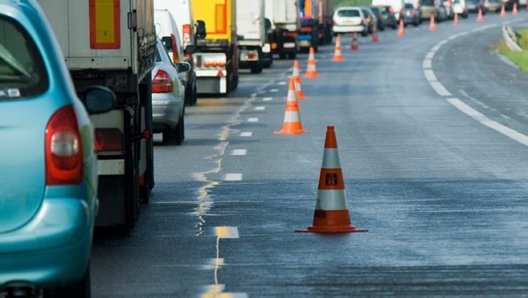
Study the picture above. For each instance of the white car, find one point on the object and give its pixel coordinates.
(350, 19)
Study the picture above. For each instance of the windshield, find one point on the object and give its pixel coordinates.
(350, 13)
(22, 71)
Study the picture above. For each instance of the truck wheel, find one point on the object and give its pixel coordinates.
(282, 56)
(82, 289)
(292, 55)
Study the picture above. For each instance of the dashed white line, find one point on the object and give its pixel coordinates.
(239, 152)
(282, 83)
(439, 88)
(233, 177)
(253, 119)
(427, 63)
(260, 108)
(267, 98)
(246, 134)
(274, 90)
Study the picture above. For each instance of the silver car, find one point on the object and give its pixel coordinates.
(168, 97)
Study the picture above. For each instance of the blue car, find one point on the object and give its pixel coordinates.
(48, 166)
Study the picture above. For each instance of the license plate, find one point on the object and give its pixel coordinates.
(289, 45)
(305, 43)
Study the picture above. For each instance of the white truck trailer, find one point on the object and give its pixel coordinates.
(251, 34)
(112, 43)
(285, 24)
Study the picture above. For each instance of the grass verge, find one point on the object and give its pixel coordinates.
(518, 58)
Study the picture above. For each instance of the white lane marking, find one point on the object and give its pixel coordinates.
(239, 152)
(427, 63)
(253, 119)
(429, 75)
(274, 90)
(260, 108)
(440, 89)
(246, 134)
(267, 98)
(515, 135)
(233, 177)
(282, 83)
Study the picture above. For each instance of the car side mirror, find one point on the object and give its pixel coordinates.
(267, 24)
(167, 43)
(98, 99)
(201, 31)
(182, 67)
(190, 49)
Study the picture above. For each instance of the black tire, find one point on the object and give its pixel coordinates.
(180, 130)
(292, 55)
(170, 135)
(80, 290)
(257, 68)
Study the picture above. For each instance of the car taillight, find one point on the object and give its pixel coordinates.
(361, 22)
(334, 22)
(413, 12)
(108, 139)
(162, 82)
(64, 157)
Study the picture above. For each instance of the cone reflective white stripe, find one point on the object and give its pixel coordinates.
(331, 159)
(310, 69)
(292, 118)
(333, 200)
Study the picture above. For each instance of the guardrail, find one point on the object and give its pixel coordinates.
(510, 37)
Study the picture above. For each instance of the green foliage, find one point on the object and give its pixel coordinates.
(518, 58)
(339, 3)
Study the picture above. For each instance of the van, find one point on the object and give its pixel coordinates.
(460, 8)
(181, 11)
(397, 6)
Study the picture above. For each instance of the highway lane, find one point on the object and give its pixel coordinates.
(442, 194)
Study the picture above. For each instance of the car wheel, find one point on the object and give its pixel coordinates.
(170, 135)
(180, 131)
(80, 290)
(364, 33)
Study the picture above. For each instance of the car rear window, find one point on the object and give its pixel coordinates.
(348, 13)
(22, 70)
(409, 6)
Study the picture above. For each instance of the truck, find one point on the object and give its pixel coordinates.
(112, 43)
(216, 55)
(181, 11)
(285, 24)
(251, 34)
(316, 23)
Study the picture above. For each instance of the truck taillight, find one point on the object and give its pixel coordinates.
(108, 139)
(162, 82)
(186, 34)
(221, 64)
(64, 158)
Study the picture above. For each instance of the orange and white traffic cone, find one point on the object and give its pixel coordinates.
(331, 212)
(514, 9)
(503, 11)
(292, 117)
(432, 25)
(310, 69)
(374, 33)
(296, 74)
(401, 30)
(338, 55)
(355, 45)
(455, 19)
(480, 18)
(298, 91)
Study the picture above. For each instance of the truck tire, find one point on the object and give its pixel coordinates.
(282, 56)
(292, 55)
(257, 68)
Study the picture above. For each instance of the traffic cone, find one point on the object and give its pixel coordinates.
(292, 117)
(374, 33)
(432, 25)
(455, 19)
(295, 75)
(331, 212)
(355, 45)
(401, 30)
(480, 18)
(338, 56)
(514, 9)
(503, 11)
(310, 70)
(298, 91)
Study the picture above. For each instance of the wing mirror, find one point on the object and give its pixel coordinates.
(190, 49)
(201, 31)
(167, 43)
(182, 67)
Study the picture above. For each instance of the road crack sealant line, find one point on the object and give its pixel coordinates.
(457, 103)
